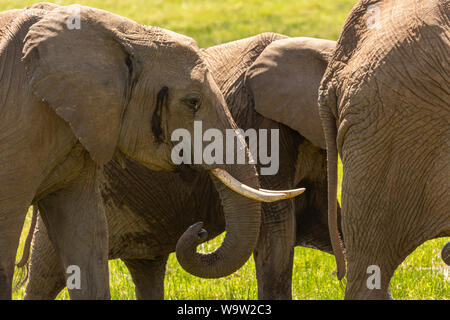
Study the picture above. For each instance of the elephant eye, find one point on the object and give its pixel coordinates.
(193, 101)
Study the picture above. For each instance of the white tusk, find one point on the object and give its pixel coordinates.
(290, 193)
(259, 195)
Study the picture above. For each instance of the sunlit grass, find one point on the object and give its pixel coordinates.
(423, 275)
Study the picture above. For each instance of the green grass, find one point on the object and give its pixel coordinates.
(421, 276)
(217, 21)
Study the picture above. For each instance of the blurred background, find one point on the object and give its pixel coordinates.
(212, 22)
(423, 275)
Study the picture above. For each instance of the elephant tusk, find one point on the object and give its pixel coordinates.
(289, 193)
(249, 192)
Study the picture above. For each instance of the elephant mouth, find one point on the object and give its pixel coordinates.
(262, 195)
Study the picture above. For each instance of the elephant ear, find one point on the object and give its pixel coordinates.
(80, 67)
(284, 81)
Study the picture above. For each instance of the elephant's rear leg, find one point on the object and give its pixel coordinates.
(380, 238)
(368, 278)
(76, 224)
(45, 273)
(274, 254)
(445, 253)
(377, 242)
(148, 277)
(12, 217)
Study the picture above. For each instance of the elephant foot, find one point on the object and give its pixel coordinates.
(445, 253)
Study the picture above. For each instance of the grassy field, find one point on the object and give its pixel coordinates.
(216, 21)
(423, 275)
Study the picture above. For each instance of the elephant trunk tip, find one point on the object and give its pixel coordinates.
(193, 236)
(186, 251)
(196, 230)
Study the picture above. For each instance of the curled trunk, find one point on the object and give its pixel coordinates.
(243, 220)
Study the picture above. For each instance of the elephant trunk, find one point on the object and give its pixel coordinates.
(243, 220)
(238, 188)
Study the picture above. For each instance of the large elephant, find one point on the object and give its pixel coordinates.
(384, 103)
(148, 211)
(80, 86)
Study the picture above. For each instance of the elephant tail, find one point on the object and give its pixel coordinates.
(327, 99)
(22, 265)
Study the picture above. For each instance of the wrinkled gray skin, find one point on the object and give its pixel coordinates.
(147, 211)
(70, 101)
(384, 101)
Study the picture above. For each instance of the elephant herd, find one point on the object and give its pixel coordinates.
(87, 114)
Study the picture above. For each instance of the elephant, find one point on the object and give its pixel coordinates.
(148, 211)
(384, 105)
(82, 86)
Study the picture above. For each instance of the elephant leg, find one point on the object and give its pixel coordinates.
(378, 236)
(45, 273)
(76, 224)
(372, 250)
(366, 281)
(384, 222)
(11, 223)
(445, 253)
(148, 277)
(274, 254)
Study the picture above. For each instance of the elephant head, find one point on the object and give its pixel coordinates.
(124, 88)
